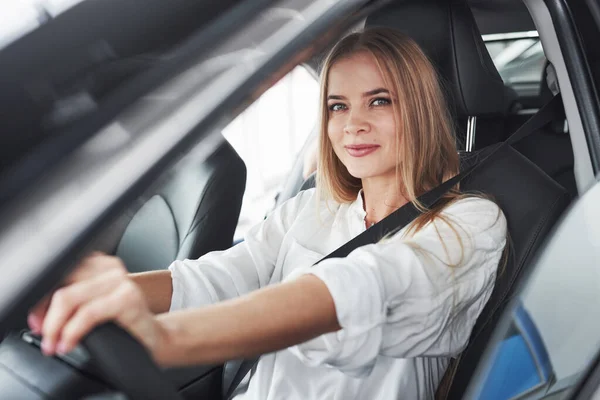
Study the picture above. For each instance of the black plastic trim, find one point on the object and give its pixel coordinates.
(585, 92)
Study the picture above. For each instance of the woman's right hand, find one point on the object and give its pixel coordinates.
(97, 291)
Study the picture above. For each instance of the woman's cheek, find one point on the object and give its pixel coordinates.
(334, 130)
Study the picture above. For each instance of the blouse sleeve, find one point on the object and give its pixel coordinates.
(412, 297)
(248, 266)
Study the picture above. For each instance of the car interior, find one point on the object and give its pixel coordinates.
(193, 206)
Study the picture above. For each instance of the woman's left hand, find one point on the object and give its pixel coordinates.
(97, 291)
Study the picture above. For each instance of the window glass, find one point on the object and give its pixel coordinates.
(520, 60)
(268, 136)
(526, 66)
(17, 18)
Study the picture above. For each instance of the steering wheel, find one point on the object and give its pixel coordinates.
(126, 364)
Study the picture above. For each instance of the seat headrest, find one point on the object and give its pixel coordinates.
(447, 33)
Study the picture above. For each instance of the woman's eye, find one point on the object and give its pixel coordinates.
(337, 107)
(380, 102)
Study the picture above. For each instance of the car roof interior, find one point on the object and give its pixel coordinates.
(491, 16)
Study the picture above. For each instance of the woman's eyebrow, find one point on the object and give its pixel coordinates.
(375, 91)
(365, 94)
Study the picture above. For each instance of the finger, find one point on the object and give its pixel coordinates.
(36, 316)
(67, 300)
(94, 264)
(90, 266)
(123, 305)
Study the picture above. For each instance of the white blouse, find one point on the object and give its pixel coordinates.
(405, 304)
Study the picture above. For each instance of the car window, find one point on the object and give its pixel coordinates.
(520, 60)
(268, 137)
(552, 331)
(17, 18)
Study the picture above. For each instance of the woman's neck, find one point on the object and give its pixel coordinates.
(381, 198)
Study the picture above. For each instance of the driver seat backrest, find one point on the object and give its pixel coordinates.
(550, 148)
(531, 201)
(190, 211)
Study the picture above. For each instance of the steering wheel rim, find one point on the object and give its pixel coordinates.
(127, 365)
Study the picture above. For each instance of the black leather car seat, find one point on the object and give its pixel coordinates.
(190, 211)
(550, 147)
(531, 200)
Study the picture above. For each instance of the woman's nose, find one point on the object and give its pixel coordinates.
(356, 123)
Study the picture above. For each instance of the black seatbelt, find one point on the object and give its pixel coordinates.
(407, 213)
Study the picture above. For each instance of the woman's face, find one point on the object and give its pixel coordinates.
(361, 123)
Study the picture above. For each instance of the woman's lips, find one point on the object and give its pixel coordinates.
(360, 150)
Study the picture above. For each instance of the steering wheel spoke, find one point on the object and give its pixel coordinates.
(127, 365)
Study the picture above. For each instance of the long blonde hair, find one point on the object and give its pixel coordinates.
(425, 140)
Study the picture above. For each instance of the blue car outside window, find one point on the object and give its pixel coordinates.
(520, 364)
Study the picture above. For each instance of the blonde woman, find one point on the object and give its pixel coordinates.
(380, 323)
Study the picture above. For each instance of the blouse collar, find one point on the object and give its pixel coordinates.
(358, 206)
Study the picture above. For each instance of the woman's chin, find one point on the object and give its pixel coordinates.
(361, 174)
(370, 173)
